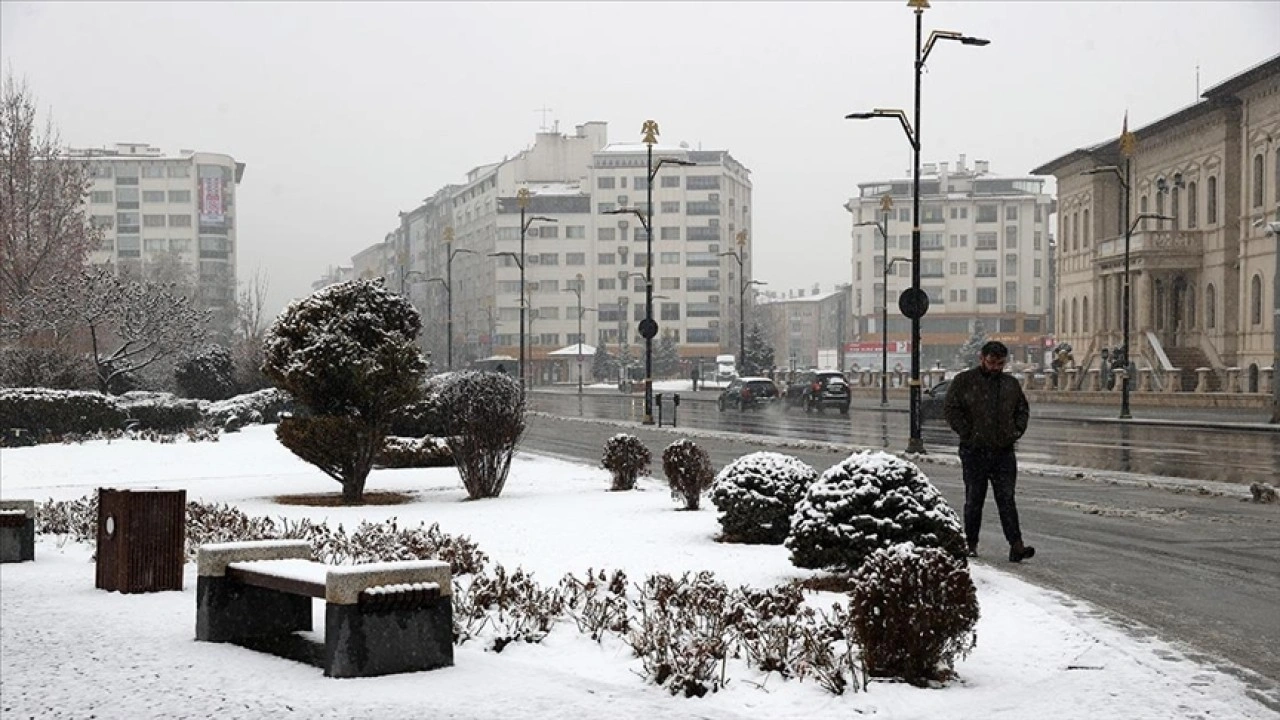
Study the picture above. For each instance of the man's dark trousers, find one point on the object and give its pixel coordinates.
(1000, 468)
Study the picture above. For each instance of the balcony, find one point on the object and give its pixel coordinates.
(1170, 249)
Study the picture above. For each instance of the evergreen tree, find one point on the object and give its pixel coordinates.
(603, 366)
(666, 358)
(759, 355)
(967, 355)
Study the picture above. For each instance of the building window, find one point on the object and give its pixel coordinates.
(153, 196)
(1035, 300)
(547, 232)
(1257, 180)
(1255, 300)
(575, 232)
(1075, 316)
(669, 258)
(1011, 212)
(1036, 269)
(1159, 203)
(1142, 208)
(1075, 231)
(669, 283)
(985, 241)
(179, 221)
(985, 268)
(670, 206)
(575, 259)
(152, 171)
(101, 197)
(1210, 307)
(1039, 213)
(1036, 239)
(1084, 235)
(180, 244)
(606, 207)
(988, 213)
(904, 214)
(605, 183)
(606, 259)
(670, 181)
(607, 234)
(1211, 206)
(1011, 265)
(670, 233)
(986, 296)
(1175, 206)
(1084, 314)
(1193, 205)
(1011, 235)
(606, 283)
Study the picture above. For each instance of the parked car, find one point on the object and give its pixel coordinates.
(747, 393)
(932, 400)
(814, 390)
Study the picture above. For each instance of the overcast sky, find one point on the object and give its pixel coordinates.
(346, 114)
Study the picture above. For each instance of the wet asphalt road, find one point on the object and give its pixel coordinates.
(1199, 569)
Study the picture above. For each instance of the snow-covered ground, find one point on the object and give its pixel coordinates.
(70, 651)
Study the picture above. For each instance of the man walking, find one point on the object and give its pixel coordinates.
(988, 410)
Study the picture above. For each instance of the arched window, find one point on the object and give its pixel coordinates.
(1257, 180)
(1175, 208)
(1193, 205)
(1159, 203)
(1075, 316)
(1255, 300)
(1085, 243)
(1142, 208)
(1075, 230)
(1062, 320)
(1210, 307)
(1211, 209)
(1084, 314)
(1191, 308)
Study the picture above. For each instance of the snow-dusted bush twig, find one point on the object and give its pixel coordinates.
(598, 604)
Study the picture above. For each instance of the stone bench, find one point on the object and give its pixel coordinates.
(17, 530)
(380, 618)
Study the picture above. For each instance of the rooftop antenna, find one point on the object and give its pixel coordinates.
(544, 111)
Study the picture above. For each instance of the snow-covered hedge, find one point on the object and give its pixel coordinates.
(407, 452)
(160, 411)
(868, 501)
(913, 612)
(43, 412)
(757, 494)
(428, 417)
(626, 458)
(688, 470)
(263, 406)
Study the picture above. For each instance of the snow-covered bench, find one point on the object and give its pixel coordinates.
(17, 530)
(380, 618)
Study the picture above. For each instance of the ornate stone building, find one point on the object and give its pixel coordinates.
(1202, 276)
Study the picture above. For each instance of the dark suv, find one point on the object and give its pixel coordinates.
(748, 392)
(814, 390)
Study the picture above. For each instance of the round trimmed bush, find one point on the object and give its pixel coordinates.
(757, 494)
(868, 501)
(913, 611)
(626, 458)
(688, 470)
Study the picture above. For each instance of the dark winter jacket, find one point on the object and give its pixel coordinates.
(986, 410)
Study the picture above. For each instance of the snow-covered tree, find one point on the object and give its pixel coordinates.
(485, 419)
(207, 374)
(967, 355)
(45, 234)
(127, 326)
(603, 366)
(757, 493)
(666, 357)
(759, 355)
(348, 354)
(250, 330)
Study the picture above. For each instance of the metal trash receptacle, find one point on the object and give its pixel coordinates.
(141, 540)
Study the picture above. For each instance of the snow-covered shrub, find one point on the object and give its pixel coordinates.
(58, 412)
(597, 604)
(868, 501)
(46, 368)
(428, 417)
(207, 374)
(756, 495)
(688, 470)
(626, 458)
(348, 354)
(513, 606)
(160, 411)
(409, 452)
(680, 632)
(913, 612)
(486, 420)
(263, 406)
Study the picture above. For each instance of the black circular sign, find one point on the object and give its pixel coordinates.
(648, 328)
(914, 303)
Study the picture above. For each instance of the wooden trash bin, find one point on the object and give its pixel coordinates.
(141, 540)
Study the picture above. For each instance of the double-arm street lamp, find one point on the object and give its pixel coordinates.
(739, 256)
(577, 291)
(1123, 177)
(522, 200)
(648, 326)
(886, 205)
(447, 281)
(914, 302)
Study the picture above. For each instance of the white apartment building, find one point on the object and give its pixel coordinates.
(575, 180)
(984, 258)
(169, 217)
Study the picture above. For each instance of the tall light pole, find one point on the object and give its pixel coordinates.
(522, 200)
(886, 205)
(577, 291)
(450, 254)
(739, 256)
(648, 326)
(915, 302)
(1127, 145)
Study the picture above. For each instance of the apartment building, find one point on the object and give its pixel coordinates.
(806, 329)
(466, 238)
(1202, 281)
(168, 217)
(984, 259)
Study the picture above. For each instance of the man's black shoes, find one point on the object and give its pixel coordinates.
(1019, 552)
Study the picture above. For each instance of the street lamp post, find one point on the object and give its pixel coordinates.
(917, 302)
(577, 291)
(886, 204)
(450, 254)
(739, 256)
(522, 200)
(1129, 227)
(648, 327)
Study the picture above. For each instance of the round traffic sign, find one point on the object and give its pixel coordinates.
(648, 328)
(914, 303)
